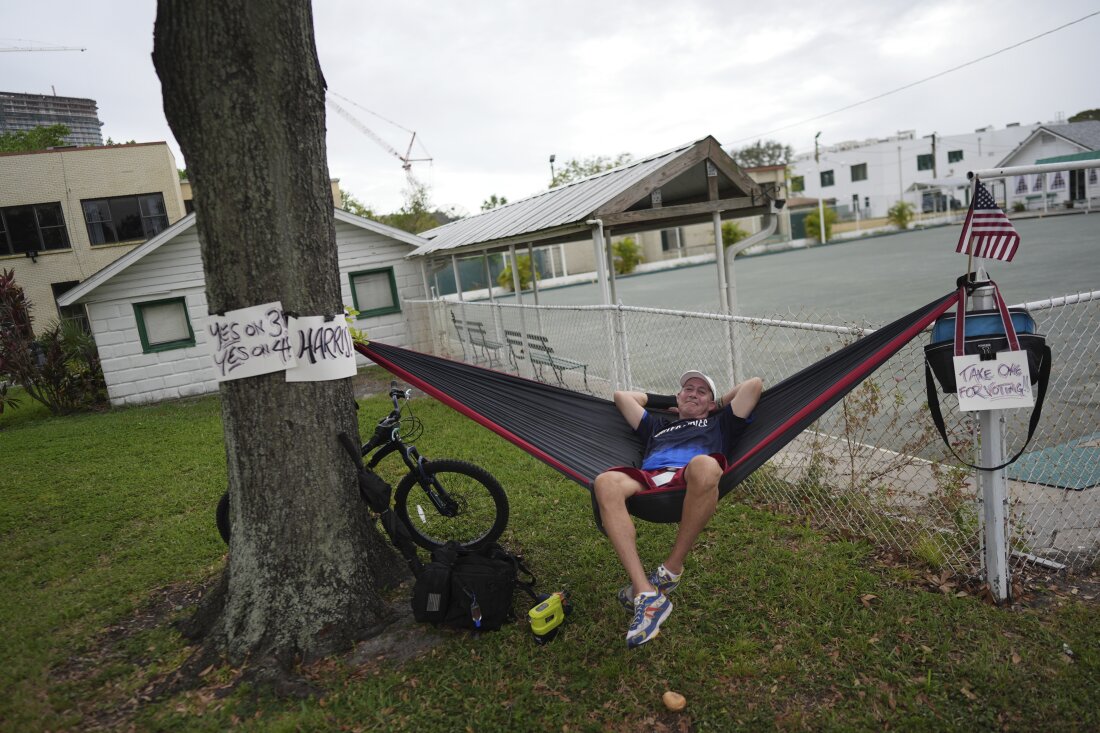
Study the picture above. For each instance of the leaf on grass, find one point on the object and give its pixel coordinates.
(866, 599)
(967, 693)
(1016, 658)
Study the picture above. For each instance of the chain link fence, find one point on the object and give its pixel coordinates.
(873, 466)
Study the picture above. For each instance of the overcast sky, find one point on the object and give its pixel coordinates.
(494, 88)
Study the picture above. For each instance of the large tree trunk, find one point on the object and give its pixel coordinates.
(244, 95)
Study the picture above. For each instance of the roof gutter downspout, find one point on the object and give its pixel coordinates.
(768, 227)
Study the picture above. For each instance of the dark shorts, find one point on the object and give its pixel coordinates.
(653, 480)
(646, 478)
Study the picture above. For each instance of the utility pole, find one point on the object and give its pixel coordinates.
(821, 187)
(901, 192)
(552, 174)
(934, 176)
(42, 48)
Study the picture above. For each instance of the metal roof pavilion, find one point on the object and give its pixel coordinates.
(686, 185)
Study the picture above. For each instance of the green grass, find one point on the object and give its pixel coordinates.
(776, 626)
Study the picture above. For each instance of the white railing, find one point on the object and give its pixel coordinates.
(873, 465)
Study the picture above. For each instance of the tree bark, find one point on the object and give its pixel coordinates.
(244, 94)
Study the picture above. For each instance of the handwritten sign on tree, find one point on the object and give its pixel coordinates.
(995, 384)
(250, 341)
(322, 349)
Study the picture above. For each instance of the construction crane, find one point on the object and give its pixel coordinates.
(406, 160)
(42, 48)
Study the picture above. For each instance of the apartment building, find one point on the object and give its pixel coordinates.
(65, 213)
(867, 177)
(28, 111)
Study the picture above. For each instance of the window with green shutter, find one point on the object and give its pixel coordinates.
(164, 325)
(374, 292)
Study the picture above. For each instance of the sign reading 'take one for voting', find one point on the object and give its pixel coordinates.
(1000, 383)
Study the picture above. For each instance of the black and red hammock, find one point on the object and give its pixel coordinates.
(582, 436)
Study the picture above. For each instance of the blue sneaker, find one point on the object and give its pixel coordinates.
(661, 579)
(650, 611)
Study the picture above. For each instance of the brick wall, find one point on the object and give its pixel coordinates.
(67, 176)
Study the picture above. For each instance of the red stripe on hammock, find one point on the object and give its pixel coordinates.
(477, 417)
(856, 375)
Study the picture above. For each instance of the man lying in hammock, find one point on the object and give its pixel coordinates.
(687, 453)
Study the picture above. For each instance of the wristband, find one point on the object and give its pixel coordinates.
(659, 401)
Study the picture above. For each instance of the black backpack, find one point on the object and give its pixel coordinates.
(470, 589)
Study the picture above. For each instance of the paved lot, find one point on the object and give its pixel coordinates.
(873, 279)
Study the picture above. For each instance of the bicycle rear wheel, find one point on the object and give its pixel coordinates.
(480, 505)
(221, 517)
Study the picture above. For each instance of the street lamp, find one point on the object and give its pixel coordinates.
(820, 192)
(552, 158)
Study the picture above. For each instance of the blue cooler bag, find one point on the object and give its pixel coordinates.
(984, 333)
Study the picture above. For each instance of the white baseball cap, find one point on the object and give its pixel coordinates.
(694, 374)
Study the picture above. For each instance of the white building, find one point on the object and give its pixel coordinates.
(148, 309)
(1074, 141)
(870, 176)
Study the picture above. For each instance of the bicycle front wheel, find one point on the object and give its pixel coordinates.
(476, 500)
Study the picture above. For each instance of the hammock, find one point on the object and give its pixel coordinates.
(582, 436)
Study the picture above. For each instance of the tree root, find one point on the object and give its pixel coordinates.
(199, 625)
(274, 673)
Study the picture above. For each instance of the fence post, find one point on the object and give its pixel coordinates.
(612, 338)
(622, 346)
(994, 486)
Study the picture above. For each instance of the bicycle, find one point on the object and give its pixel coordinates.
(457, 500)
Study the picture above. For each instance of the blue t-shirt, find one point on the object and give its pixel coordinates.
(673, 443)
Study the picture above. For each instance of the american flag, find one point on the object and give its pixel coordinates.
(987, 229)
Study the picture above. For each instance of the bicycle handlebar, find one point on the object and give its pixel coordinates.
(397, 393)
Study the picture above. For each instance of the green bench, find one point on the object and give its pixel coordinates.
(473, 333)
(538, 350)
(1037, 198)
